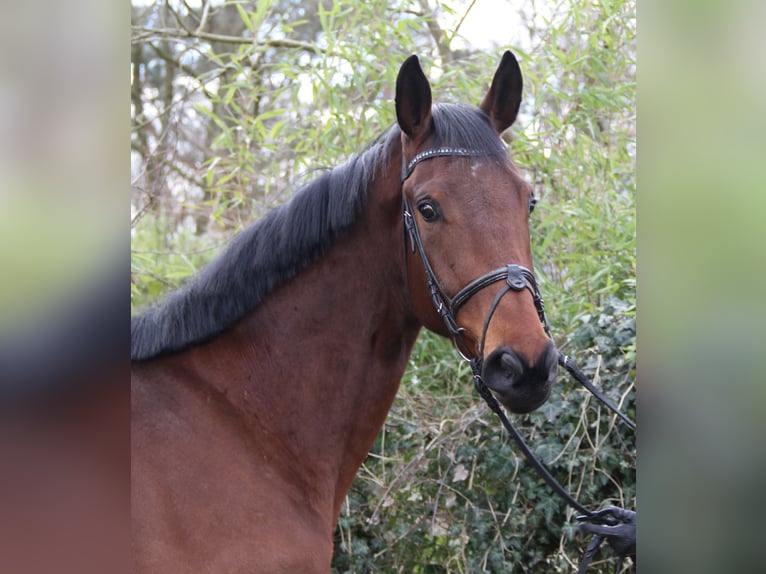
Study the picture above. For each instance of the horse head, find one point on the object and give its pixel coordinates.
(466, 212)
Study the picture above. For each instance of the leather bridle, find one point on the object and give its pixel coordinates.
(516, 277)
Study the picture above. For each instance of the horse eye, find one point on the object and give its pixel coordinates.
(428, 211)
(532, 203)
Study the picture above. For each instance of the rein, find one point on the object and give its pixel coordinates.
(614, 524)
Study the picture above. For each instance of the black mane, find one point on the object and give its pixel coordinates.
(286, 240)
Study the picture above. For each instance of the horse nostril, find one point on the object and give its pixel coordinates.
(510, 363)
(502, 369)
(521, 387)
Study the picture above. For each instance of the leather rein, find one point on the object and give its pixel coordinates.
(619, 523)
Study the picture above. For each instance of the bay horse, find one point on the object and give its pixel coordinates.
(259, 387)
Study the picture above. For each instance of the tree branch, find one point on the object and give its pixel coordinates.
(440, 39)
(142, 34)
(203, 18)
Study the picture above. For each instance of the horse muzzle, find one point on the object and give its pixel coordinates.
(520, 386)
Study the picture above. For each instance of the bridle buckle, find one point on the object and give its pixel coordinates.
(515, 277)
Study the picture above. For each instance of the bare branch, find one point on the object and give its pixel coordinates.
(203, 19)
(438, 35)
(142, 34)
(171, 165)
(177, 17)
(460, 23)
(190, 73)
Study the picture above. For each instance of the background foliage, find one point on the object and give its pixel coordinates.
(234, 104)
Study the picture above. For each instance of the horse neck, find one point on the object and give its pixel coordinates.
(318, 363)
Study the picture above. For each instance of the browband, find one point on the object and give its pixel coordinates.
(407, 168)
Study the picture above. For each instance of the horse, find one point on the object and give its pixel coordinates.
(259, 387)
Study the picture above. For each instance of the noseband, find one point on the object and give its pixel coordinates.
(516, 277)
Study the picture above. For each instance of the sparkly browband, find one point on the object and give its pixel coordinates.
(437, 152)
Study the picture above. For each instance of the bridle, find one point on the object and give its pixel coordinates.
(516, 277)
(614, 524)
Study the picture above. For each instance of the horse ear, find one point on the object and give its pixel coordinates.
(413, 99)
(503, 99)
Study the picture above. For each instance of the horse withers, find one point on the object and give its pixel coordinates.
(259, 388)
